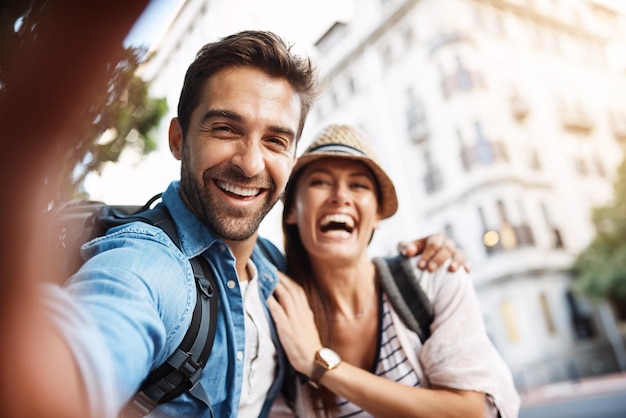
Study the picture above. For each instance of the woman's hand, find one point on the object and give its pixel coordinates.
(435, 249)
(295, 324)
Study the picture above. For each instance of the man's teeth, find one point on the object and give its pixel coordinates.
(241, 191)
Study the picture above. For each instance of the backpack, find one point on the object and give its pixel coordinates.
(78, 222)
(397, 277)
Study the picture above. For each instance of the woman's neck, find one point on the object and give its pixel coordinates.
(349, 289)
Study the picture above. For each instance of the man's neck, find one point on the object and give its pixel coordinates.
(242, 250)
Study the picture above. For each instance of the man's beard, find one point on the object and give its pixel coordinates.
(229, 223)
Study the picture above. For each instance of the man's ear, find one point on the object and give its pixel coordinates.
(176, 139)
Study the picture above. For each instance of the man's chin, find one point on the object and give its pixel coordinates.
(238, 229)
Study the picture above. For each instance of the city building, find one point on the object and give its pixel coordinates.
(501, 123)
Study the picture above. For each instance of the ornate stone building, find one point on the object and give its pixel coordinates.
(501, 123)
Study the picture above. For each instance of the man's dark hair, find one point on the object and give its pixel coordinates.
(257, 49)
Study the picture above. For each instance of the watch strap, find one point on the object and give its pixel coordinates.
(318, 372)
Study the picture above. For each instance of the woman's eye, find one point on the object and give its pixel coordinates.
(318, 182)
(361, 186)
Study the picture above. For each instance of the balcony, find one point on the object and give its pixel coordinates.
(576, 119)
(483, 153)
(519, 107)
(618, 126)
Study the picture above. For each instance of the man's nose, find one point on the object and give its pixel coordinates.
(249, 158)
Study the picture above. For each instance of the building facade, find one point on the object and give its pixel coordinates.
(501, 123)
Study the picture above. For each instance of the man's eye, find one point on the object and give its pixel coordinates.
(278, 142)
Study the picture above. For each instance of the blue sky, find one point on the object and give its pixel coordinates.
(151, 23)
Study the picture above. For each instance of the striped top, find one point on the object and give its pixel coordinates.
(390, 363)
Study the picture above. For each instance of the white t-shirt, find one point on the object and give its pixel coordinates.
(260, 352)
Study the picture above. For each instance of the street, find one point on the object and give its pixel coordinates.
(598, 406)
(597, 397)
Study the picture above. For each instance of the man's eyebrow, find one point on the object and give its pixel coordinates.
(283, 130)
(219, 113)
(228, 114)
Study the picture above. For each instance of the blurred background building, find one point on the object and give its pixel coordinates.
(501, 122)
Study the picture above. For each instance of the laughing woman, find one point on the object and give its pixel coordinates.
(356, 356)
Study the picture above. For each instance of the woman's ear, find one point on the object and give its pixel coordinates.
(377, 223)
(176, 139)
(291, 216)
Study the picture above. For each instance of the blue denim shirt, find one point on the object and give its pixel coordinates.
(138, 290)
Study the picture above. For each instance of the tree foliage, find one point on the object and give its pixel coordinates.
(120, 115)
(601, 268)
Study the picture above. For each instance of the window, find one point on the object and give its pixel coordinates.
(433, 181)
(449, 231)
(416, 118)
(332, 37)
(510, 322)
(599, 167)
(386, 53)
(556, 239)
(547, 314)
(580, 315)
(409, 35)
(579, 166)
(351, 85)
(507, 233)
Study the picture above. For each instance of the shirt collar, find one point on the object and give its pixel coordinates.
(195, 238)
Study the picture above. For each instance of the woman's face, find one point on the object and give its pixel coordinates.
(336, 208)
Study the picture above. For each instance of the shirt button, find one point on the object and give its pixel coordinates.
(230, 284)
(239, 355)
(222, 248)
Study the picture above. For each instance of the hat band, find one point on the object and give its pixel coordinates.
(337, 149)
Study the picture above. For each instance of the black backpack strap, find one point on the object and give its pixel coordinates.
(398, 279)
(182, 370)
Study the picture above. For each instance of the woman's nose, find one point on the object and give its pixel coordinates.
(341, 194)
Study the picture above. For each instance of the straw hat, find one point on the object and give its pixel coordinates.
(343, 141)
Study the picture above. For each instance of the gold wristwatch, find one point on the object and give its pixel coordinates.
(325, 359)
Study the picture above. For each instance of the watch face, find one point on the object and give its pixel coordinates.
(329, 357)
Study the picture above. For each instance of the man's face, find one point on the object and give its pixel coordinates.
(238, 151)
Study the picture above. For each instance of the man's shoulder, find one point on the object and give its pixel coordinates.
(133, 234)
(271, 253)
